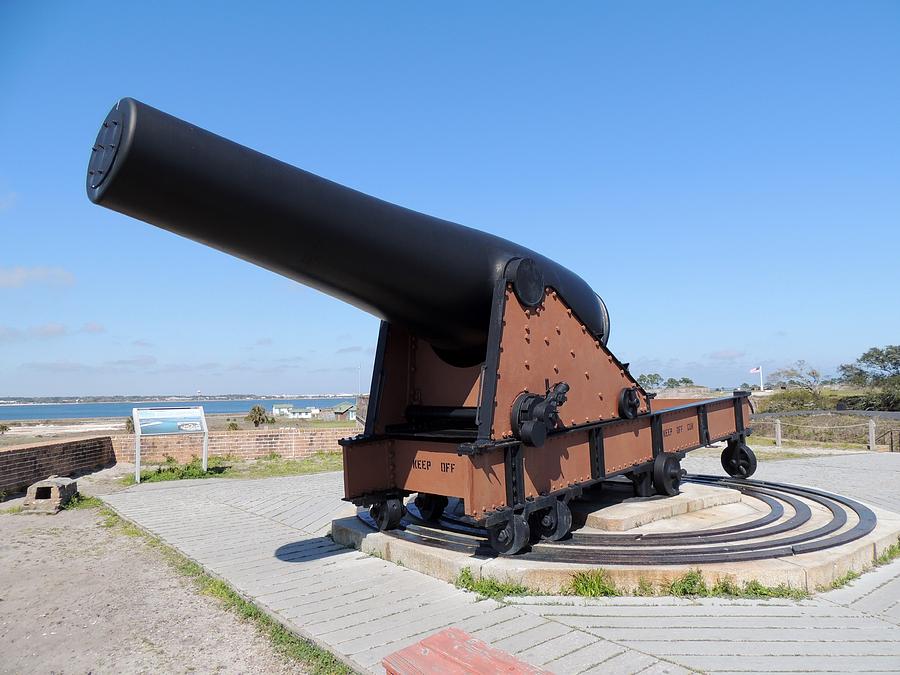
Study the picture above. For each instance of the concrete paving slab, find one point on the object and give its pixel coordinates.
(580, 660)
(627, 663)
(543, 653)
(194, 516)
(529, 638)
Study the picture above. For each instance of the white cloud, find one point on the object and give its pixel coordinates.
(93, 327)
(48, 330)
(58, 366)
(17, 277)
(726, 355)
(7, 200)
(139, 361)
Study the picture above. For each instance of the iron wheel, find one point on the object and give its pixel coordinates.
(510, 537)
(739, 461)
(387, 514)
(431, 507)
(556, 522)
(643, 483)
(667, 474)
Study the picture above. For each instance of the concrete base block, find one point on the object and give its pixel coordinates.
(638, 511)
(49, 496)
(823, 568)
(810, 572)
(438, 563)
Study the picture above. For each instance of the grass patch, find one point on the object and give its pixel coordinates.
(593, 584)
(172, 470)
(726, 588)
(693, 585)
(644, 588)
(490, 588)
(597, 583)
(779, 455)
(269, 466)
(275, 465)
(312, 658)
(840, 582)
(825, 445)
(889, 554)
(80, 501)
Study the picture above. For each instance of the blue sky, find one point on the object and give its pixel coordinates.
(726, 176)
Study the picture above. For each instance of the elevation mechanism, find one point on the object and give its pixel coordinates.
(493, 381)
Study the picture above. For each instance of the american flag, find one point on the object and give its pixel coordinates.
(756, 370)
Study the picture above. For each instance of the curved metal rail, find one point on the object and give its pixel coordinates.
(778, 533)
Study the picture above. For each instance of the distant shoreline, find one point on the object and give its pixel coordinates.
(19, 412)
(178, 399)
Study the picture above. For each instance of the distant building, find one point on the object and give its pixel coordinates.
(345, 412)
(288, 410)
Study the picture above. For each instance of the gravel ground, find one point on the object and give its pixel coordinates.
(77, 597)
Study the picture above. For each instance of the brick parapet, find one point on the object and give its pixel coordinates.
(20, 466)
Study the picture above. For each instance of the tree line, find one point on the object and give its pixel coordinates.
(656, 381)
(876, 373)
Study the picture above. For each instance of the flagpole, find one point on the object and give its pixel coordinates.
(760, 379)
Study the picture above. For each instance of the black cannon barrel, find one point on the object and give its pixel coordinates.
(430, 275)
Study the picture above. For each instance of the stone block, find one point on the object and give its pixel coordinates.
(638, 511)
(50, 495)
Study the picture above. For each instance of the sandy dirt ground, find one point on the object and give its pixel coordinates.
(77, 597)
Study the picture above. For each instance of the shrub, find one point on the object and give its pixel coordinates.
(792, 399)
(887, 398)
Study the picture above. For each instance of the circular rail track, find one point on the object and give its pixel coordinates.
(793, 520)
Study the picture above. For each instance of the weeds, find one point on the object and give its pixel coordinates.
(644, 588)
(80, 501)
(889, 554)
(593, 584)
(840, 582)
(13, 510)
(269, 466)
(490, 588)
(690, 584)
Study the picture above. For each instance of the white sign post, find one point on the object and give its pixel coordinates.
(167, 422)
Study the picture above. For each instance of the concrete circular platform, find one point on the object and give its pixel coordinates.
(738, 529)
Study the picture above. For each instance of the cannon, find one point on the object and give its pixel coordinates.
(493, 380)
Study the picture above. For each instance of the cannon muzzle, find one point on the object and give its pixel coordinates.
(432, 276)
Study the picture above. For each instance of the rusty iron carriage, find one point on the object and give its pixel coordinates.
(493, 382)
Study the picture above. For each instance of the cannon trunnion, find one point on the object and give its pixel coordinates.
(492, 383)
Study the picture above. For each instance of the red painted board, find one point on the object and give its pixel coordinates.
(455, 652)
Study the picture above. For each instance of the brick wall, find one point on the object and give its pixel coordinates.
(288, 443)
(24, 465)
(20, 466)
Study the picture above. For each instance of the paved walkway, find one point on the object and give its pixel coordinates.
(267, 538)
